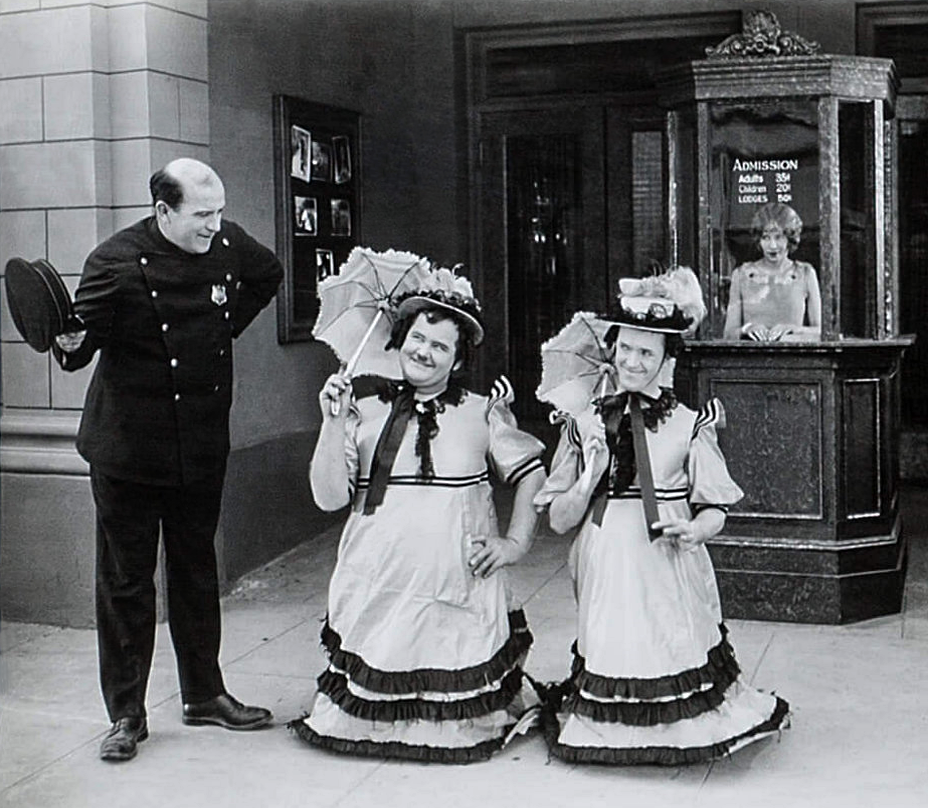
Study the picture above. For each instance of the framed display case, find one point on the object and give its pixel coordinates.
(766, 126)
(318, 204)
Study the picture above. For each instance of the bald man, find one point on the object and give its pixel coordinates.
(161, 302)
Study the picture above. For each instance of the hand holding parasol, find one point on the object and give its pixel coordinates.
(355, 315)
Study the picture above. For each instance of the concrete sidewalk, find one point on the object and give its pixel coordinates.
(859, 733)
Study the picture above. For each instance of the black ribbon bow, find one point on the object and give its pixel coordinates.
(625, 421)
(394, 429)
(388, 444)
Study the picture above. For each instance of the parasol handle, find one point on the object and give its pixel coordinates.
(353, 361)
(602, 384)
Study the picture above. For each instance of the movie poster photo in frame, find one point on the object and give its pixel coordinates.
(318, 204)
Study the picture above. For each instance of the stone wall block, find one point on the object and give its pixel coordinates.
(127, 39)
(54, 175)
(69, 107)
(20, 110)
(25, 376)
(73, 233)
(194, 112)
(22, 234)
(49, 41)
(176, 43)
(132, 166)
(129, 104)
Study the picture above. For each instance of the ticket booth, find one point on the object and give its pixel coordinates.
(813, 420)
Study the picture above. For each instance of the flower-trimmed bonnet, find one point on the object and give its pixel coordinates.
(446, 289)
(669, 303)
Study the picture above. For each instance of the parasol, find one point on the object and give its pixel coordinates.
(576, 364)
(355, 315)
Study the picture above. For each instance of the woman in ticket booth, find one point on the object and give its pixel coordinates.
(774, 298)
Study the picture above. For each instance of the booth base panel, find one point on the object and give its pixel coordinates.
(811, 596)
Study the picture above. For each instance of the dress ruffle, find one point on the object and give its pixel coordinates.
(431, 679)
(427, 714)
(720, 670)
(397, 750)
(663, 755)
(336, 686)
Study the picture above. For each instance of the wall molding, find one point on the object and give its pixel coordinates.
(40, 442)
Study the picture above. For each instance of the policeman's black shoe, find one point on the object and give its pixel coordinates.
(225, 711)
(121, 742)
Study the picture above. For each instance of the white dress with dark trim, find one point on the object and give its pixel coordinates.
(654, 678)
(424, 658)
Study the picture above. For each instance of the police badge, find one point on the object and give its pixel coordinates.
(219, 294)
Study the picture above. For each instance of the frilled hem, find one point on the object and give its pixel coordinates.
(431, 679)
(720, 670)
(394, 749)
(648, 714)
(658, 755)
(335, 686)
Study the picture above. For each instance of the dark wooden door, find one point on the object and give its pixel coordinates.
(541, 221)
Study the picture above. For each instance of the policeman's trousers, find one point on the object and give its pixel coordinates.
(130, 517)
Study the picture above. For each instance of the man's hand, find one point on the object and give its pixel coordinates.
(335, 397)
(684, 533)
(71, 341)
(490, 553)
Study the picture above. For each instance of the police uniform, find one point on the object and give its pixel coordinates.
(155, 430)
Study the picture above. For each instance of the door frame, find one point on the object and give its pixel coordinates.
(478, 47)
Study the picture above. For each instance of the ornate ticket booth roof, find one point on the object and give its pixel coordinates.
(766, 120)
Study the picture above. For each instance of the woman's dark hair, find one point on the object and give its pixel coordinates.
(165, 188)
(784, 217)
(435, 314)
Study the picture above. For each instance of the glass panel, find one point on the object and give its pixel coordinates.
(685, 173)
(913, 261)
(648, 240)
(858, 261)
(762, 153)
(544, 240)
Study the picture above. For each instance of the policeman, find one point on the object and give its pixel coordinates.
(162, 301)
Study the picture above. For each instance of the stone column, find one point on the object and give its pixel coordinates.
(93, 98)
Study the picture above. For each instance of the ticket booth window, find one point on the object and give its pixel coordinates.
(761, 153)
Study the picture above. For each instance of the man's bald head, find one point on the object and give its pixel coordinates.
(188, 198)
(179, 178)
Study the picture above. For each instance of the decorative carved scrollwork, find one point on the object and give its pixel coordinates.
(762, 36)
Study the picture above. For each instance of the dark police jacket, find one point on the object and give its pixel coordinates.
(157, 408)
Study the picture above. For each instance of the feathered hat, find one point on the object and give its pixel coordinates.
(670, 302)
(445, 289)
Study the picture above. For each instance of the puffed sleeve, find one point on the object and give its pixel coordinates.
(566, 465)
(514, 454)
(710, 483)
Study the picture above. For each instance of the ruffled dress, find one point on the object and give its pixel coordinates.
(654, 677)
(424, 658)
